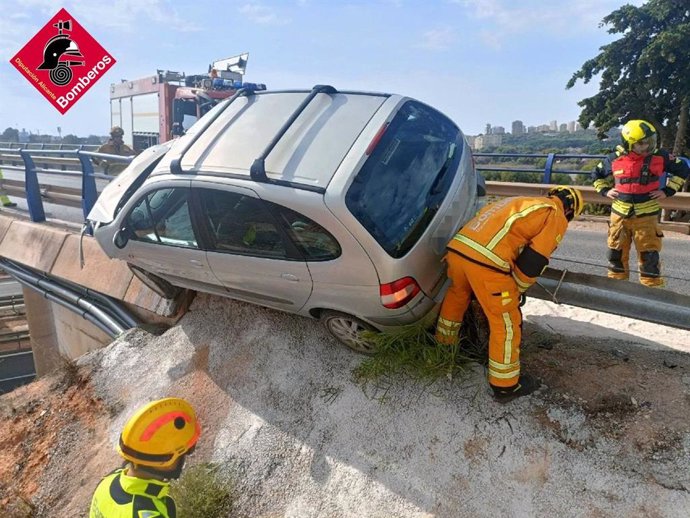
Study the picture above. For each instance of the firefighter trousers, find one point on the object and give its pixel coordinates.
(644, 231)
(498, 295)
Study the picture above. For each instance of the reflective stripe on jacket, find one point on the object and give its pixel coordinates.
(121, 496)
(514, 235)
(636, 204)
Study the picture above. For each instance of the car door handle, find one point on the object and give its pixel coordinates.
(289, 277)
(196, 264)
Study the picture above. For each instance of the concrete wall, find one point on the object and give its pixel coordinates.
(55, 331)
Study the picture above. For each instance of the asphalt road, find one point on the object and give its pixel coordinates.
(585, 251)
(16, 368)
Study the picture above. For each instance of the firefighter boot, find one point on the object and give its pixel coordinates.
(650, 270)
(618, 264)
(526, 385)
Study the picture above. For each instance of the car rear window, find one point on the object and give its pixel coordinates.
(406, 178)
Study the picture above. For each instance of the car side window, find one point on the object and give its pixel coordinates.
(314, 241)
(163, 217)
(241, 224)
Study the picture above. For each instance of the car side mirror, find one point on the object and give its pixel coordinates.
(121, 238)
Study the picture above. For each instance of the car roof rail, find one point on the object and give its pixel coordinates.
(257, 172)
(176, 163)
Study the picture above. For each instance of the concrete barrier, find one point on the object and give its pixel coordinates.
(54, 330)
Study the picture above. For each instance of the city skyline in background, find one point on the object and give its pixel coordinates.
(474, 60)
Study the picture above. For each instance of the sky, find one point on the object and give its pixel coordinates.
(477, 61)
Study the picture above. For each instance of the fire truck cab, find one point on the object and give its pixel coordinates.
(157, 108)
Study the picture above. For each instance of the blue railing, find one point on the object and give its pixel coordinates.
(76, 163)
(79, 163)
(548, 170)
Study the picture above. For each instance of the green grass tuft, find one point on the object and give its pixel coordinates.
(413, 352)
(203, 492)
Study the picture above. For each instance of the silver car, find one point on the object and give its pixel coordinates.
(327, 204)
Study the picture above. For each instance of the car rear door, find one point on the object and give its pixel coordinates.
(247, 249)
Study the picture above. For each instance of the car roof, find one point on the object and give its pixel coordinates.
(307, 152)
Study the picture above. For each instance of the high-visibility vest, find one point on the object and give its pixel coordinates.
(636, 174)
(120, 496)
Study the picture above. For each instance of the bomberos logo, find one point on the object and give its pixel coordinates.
(62, 61)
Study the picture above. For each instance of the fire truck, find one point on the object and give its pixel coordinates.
(157, 108)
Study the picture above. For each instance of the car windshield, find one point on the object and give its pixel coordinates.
(400, 187)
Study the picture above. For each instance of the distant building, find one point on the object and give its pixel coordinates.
(484, 141)
(543, 128)
(571, 126)
(498, 130)
(517, 128)
(471, 141)
(488, 129)
(531, 129)
(563, 128)
(23, 136)
(553, 125)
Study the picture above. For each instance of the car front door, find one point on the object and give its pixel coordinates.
(161, 240)
(248, 250)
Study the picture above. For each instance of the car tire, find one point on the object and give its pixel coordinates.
(346, 329)
(155, 283)
(475, 330)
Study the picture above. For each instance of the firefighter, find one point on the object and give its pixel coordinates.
(631, 177)
(4, 199)
(154, 443)
(496, 257)
(114, 146)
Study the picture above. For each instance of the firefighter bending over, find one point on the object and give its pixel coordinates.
(155, 443)
(496, 256)
(631, 178)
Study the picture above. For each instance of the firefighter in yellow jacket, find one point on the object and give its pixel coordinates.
(496, 256)
(631, 177)
(155, 443)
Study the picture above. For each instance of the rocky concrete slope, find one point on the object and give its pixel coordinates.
(607, 436)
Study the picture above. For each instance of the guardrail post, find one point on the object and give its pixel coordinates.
(33, 190)
(89, 194)
(548, 168)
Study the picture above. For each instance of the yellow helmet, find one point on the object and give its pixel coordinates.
(637, 132)
(572, 200)
(159, 433)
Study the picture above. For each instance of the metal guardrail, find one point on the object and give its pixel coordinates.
(76, 163)
(549, 169)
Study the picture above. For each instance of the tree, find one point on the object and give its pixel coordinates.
(644, 73)
(10, 135)
(71, 139)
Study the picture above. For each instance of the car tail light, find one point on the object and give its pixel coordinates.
(398, 293)
(376, 139)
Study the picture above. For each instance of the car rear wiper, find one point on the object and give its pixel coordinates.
(442, 172)
(417, 230)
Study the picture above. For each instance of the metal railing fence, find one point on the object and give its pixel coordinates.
(42, 164)
(48, 165)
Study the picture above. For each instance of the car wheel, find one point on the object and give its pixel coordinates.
(348, 331)
(475, 329)
(155, 283)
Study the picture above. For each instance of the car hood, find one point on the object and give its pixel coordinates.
(104, 210)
